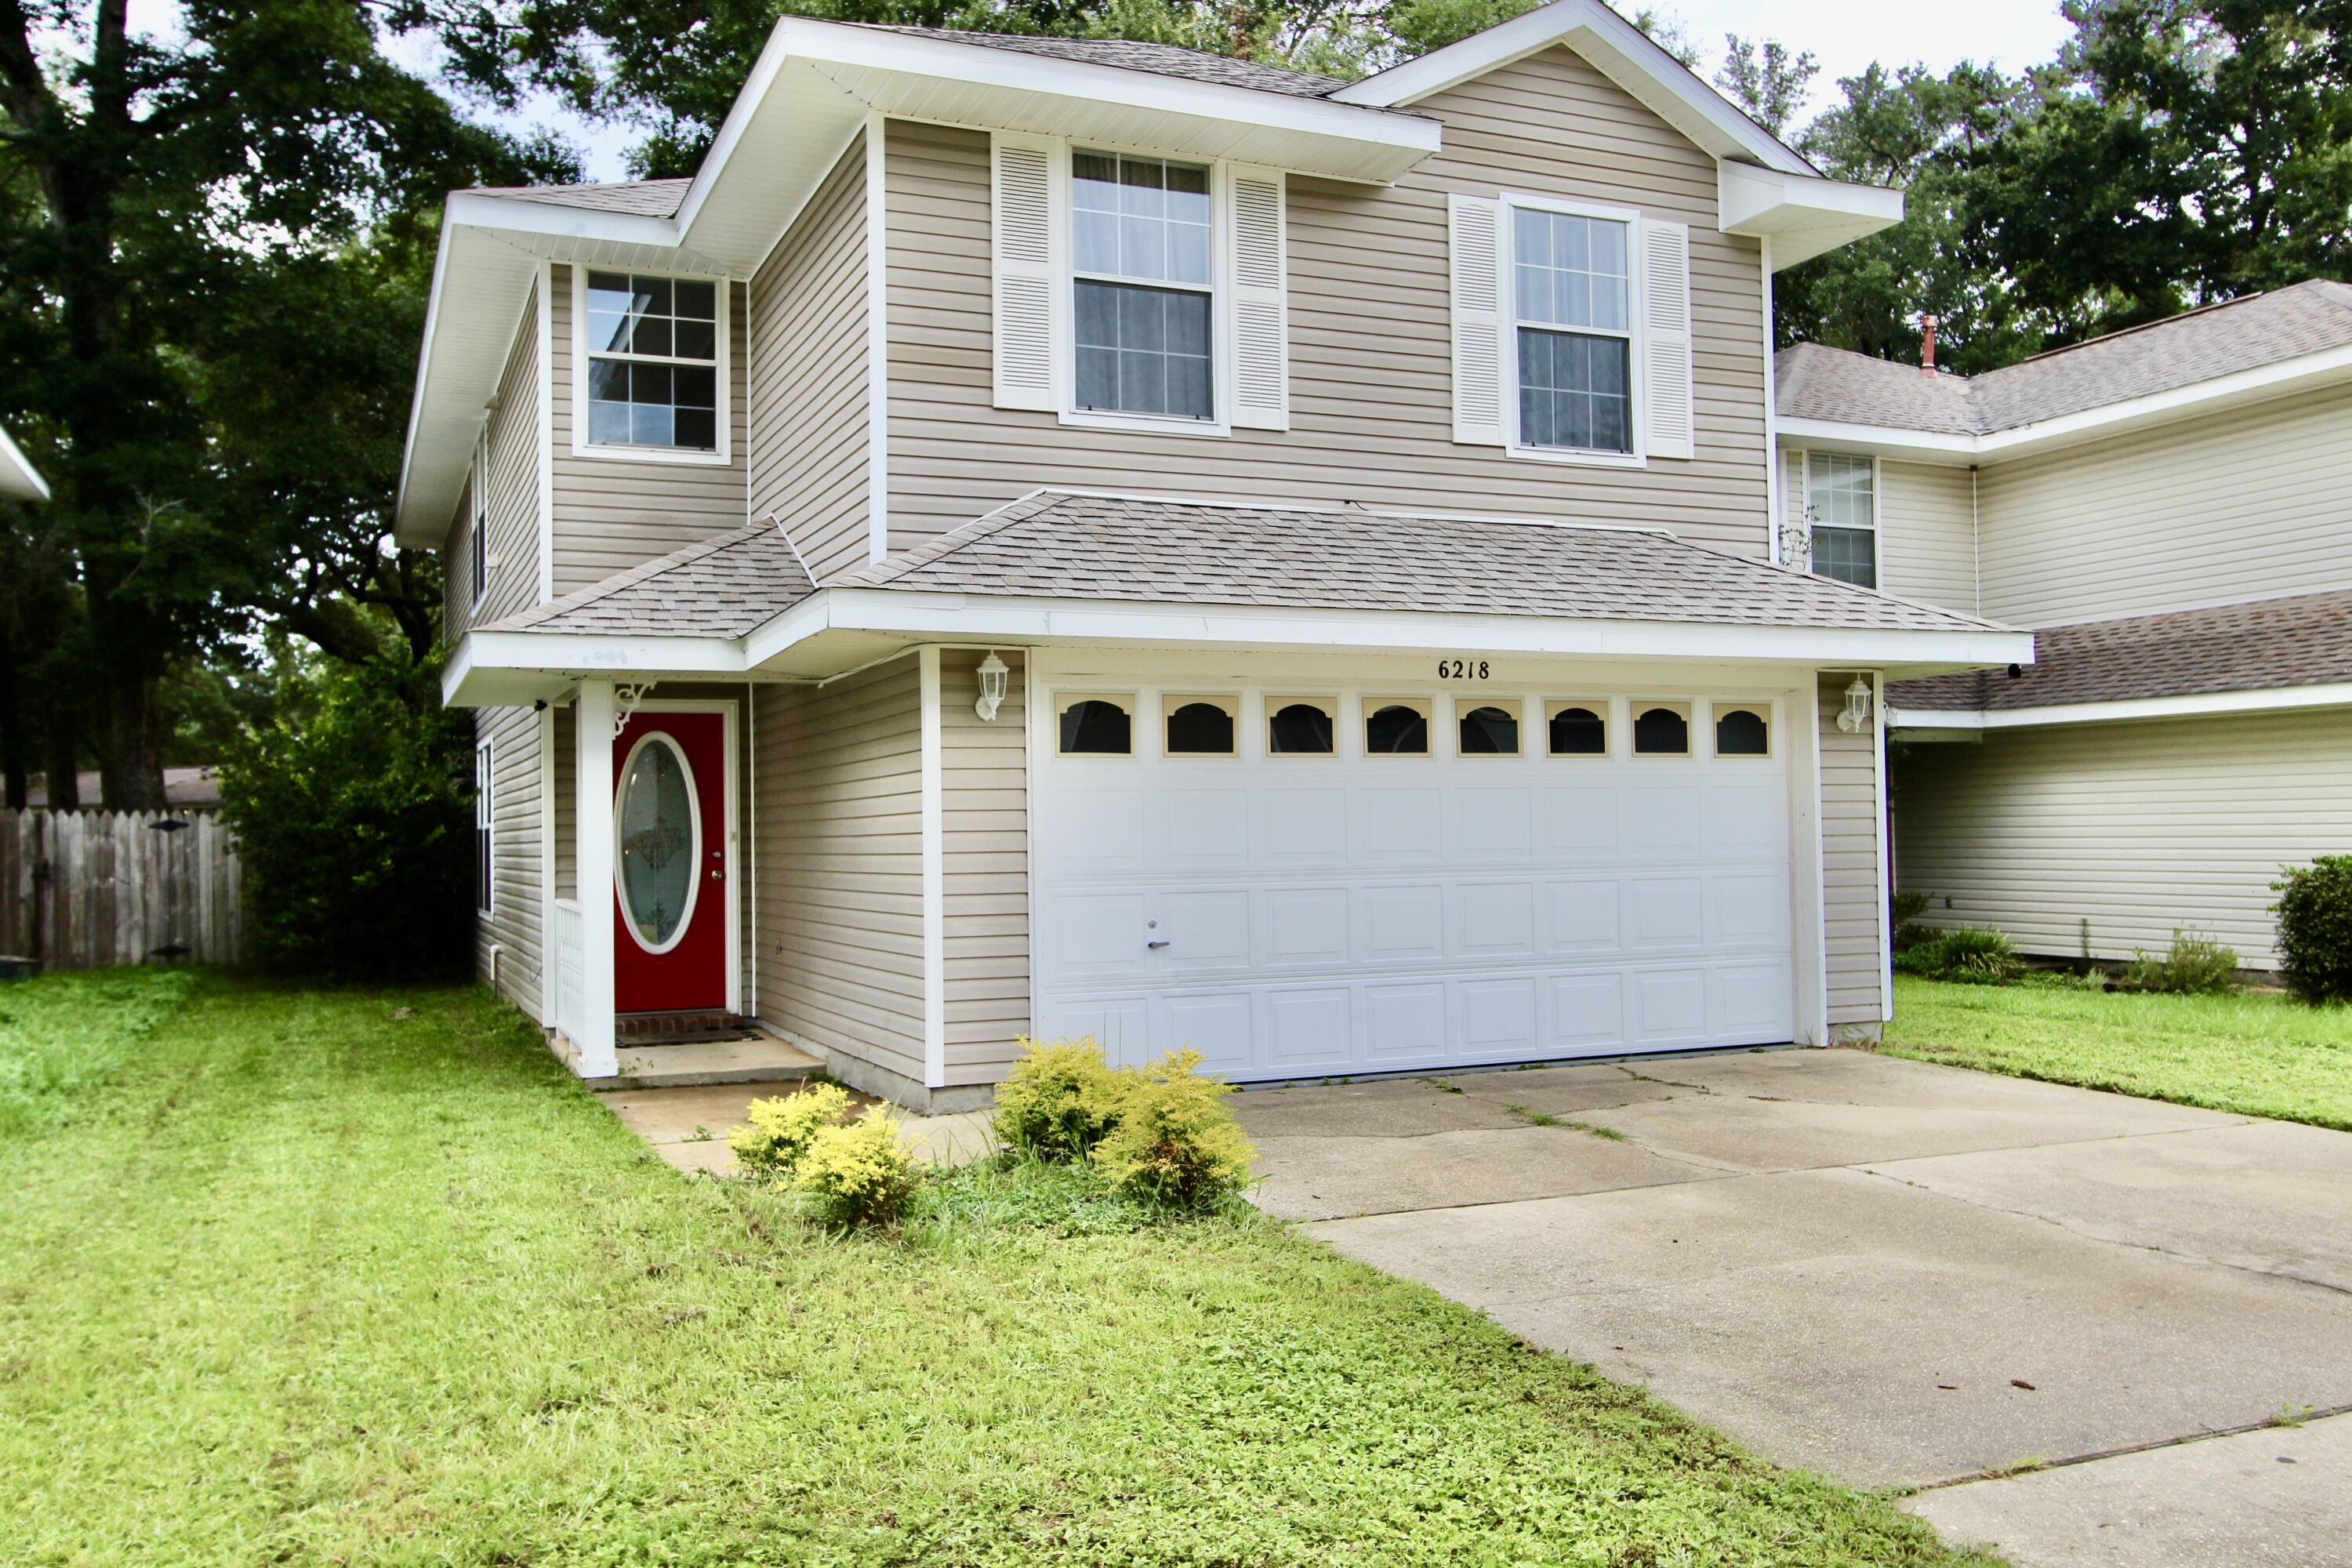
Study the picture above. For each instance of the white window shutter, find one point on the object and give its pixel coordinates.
(1670, 421)
(1258, 266)
(1023, 237)
(1474, 230)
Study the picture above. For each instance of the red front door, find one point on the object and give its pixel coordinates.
(670, 891)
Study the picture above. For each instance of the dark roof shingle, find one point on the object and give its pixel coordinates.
(638, 198)
(2263, 646)
(1815, 383)
(1128, 54)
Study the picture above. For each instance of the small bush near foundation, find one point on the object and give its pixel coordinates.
(860, 1171)
(1177, 1142)
(2196, 966)
(781, 1127)
(1907, 907)
(1972, 955)
(1060, 1100)
(2315, 928)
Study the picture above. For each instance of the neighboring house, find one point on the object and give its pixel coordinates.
(2170, 508)
(19, 481)
(184, 788)
(1051, 537)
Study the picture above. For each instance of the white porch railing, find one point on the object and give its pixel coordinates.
(570, 998)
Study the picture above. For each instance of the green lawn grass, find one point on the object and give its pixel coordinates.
(2255, 1052)
(316, 1283)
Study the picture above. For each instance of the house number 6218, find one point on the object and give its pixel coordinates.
(1464, 669)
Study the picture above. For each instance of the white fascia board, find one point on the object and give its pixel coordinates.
(1012, 618)
(2281, 379)
(2193, 705)
(521, 215)
(1616, 48)
(19, 481)
(554, 658)
(1802, 215)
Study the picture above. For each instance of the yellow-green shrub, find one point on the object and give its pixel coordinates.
(1176, 1141)
(860, 1172)
(1059, 1099)
(781, 1127)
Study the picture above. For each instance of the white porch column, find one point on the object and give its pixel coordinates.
(592, 823)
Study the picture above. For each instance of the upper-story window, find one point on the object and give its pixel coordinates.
(652, 348)
(1571, 288)
(1141, 295)
(1842, 506)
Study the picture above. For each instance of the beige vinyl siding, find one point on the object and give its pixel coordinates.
(566, 783)
(985, 806)
(1926, 534)
(2137, 828)
(1850, 870)
(1371, 344)
(2248, 503)
(807, 376)
(612, 513)
(839, 808)
(513, 443)
(514, 920)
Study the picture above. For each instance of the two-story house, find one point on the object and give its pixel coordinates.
(2170, 509)
(1052, 537)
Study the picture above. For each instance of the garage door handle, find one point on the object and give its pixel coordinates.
(1159, 943)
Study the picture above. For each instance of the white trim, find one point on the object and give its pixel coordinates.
(1614, 46)
(2278, 379)
(1775, 503)
(723, 294)
(544, 288)
(1030, 740)
(486, 826)
(878, 341)
(1812, 214)
(1515, 443)
(548, 956)
(1885, 869)
(593, 802)
(2191, 705)
(694, 869)
(934, 829)
(1808, 875)
(19, 481)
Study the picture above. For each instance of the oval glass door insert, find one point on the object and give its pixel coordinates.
(659, 834)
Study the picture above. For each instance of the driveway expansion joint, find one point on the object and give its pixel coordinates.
(2152, 1445)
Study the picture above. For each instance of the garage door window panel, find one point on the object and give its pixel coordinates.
(1300, 726)
(1488, 728)
(1396, 727)
(1742, 732)
(1097, 726)
(1661, 729)
(1200, 726)
(1579, 729)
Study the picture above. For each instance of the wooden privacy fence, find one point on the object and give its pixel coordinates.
(80, 889)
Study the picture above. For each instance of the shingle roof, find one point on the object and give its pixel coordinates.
(1159, 60)
(1815, 383)
(1058, 544)
(2263, 646)
(722, 587)
(638, 198)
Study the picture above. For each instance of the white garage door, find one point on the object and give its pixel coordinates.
(1295, 911)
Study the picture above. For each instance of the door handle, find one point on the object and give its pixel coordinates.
(1157, 943)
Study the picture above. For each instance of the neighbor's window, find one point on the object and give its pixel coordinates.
(1841, 503)
(1200, 726)
(1096, 727)
(1142, 297)
(653, 362)
(1299, 727)
(482, 827)
(1578, 730)
(1661, 732)
(1396, 729)
(1490, 729)
(1571, 291)
(1741, 732)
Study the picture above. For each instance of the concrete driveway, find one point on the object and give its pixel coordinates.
(1899, 1274)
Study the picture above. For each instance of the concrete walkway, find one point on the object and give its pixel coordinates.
(1895, 1273)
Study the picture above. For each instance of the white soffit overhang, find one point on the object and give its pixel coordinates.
(19, 481)
(1802, 215)
(840, 628)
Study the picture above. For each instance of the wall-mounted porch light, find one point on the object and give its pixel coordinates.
(992, 673)
(1857, 716)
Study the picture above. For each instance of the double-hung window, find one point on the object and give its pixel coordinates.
(482, 815)
(653, 362)
(1571, 292)
(1142, 300)
(1842, 507)
(480, 589)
